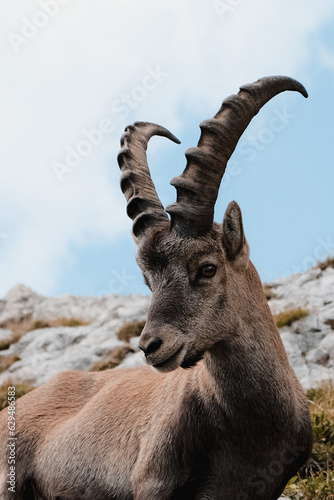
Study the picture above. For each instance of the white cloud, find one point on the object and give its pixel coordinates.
(66, 77)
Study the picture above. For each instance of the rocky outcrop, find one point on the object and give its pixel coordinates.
(43, 352)
(308, 342)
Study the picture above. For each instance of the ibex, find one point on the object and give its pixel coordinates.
(221, 416)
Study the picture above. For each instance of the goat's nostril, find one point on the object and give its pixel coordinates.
(151, 347)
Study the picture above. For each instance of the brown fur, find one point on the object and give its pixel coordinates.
(233, 426)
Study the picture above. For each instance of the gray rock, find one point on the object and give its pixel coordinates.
(309, 342)
(47, 351)
(5, 334)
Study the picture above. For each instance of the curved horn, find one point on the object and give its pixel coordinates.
(144, 206)
(197, 187)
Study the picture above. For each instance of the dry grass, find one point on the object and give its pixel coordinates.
(316, 481)
(114, 358)
(329, 262)
(330, 322)
(21, 389)
(268, 291)
(18, 329)
(12, 339)
(28, 324)
(286, 318)
(72, 322)
(6, 362)
(131, 329)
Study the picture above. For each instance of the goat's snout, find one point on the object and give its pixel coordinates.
(150, 346)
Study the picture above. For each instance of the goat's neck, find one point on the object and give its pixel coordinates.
(248, 363)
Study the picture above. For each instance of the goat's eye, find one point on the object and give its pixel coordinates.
(208, 271)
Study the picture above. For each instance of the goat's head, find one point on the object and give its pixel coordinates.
(195, 268)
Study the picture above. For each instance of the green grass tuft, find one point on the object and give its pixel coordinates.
(73, 322)
(316, 480)
(286, 318)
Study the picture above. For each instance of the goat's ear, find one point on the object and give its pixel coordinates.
(234, 240)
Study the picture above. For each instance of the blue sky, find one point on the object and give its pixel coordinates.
(74, 74)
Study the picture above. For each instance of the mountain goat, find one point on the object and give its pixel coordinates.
(221, 416)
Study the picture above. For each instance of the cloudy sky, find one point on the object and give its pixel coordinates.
(75, 73)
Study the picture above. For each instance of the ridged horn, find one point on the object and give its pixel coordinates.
(197, 187)
(144, 206)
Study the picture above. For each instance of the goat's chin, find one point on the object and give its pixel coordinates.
(171, 363)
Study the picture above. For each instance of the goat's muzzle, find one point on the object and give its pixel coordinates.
(164, 353)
